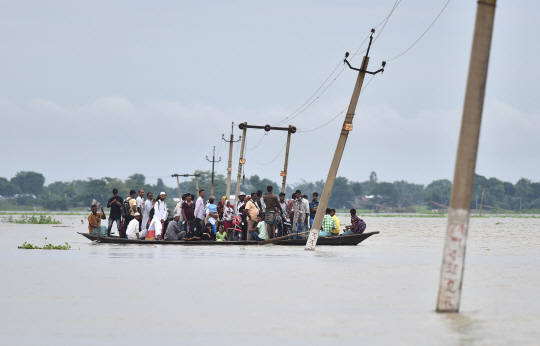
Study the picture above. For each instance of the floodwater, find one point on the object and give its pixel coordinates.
(382, 292)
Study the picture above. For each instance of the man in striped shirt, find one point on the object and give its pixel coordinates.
(327, 225)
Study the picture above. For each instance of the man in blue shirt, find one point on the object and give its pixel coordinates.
(313, 205)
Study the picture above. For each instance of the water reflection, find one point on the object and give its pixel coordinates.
(465, 325)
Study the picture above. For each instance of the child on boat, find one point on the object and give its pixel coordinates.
(259, 232)
(221, 234)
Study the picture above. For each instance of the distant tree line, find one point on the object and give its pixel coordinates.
(28, 189)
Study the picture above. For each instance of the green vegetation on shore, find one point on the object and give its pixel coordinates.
(27, 219)
(27, 192)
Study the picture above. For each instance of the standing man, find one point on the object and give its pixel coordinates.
(94, 222)
(239, 202)
(298, 213)
(146, 211)
(306, 211)
(259, 197)
(283, 204)
(188, 211)
(313, 205)
(337, 230)
(199, 207)
(132, 210)
(116, 215)
(178, 209)
(160, 215)
(140, 205)
(271, 203)
(252, 210)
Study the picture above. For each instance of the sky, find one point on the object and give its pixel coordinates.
(111, 88)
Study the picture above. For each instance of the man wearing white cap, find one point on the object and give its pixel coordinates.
(239, 202)
(160, 214)
(173, 230)
(132, 231)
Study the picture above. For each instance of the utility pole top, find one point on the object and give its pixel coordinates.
(267, 128)
(363, 68)
(185, 175)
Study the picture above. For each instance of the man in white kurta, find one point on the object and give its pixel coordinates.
(132, 231)
(146, 211)
(160, 214)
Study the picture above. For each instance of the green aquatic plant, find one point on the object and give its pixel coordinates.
(26, 219)
(46, 246)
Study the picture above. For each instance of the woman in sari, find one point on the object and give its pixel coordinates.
(228, 216)
(221, 207)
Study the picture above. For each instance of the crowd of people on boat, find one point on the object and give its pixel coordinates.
(255, 217)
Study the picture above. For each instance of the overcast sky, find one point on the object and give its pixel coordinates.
(111, 88)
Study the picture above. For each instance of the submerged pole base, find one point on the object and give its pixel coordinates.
(453, 260)
(312, 239)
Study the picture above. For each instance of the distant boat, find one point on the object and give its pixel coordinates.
(347, 240)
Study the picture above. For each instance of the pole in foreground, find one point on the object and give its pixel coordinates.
(229, 165)
(451, 279)
(213, 162)
(241, 161)
(347, 127)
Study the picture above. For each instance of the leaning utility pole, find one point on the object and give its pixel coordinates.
(213, 162)
(284, 173)
(178, 181)
(229, 165)
(453, 260)
(241, 161)
(347, 127)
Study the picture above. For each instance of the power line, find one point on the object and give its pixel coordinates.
(429, 27)
(385, 21)
(255, 147)
(332, 82)
(334, 118)
(327, 78)
(301, 109)
(274, 159)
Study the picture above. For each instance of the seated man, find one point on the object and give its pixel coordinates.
(173, 231)
(259, 232)
(336, 231)
(94, 222)
(132, 231)
(357, 226)
(327, 225)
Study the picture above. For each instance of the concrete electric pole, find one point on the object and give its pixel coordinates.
(451, 279)
(213, 162)
(229, 165)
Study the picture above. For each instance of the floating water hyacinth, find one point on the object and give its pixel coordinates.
(25, 219)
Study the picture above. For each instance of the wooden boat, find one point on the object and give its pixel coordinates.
(349, 240)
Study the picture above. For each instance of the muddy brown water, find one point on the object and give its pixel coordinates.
(382, 292)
